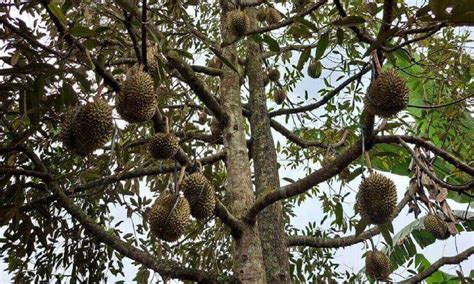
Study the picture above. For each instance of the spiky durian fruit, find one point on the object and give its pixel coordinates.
(164, 92)
(376, 199)
(88, 127)
(200, 194)
(377, 265)
(314, 69)
(136, 102)
(272, 16)
(238, 23)
(261, 14)
(273, 75)
(279, 96)
(169, 217)
(387, 95)
(202, 118)
(153, 65)
(163, 146)
(216, 129)
(436, 227)
(215, 63)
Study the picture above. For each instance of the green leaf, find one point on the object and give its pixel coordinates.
(385, 231)
(360, 227)
(272, 44)
(349, 21)
(56, 11)
(340, 36)
(81, 31)
(303, 58)
(322, 46)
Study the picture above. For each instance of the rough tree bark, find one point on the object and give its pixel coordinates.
(270, 220)
(248, 258)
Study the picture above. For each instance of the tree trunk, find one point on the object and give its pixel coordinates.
(270, 220)
(248, 259)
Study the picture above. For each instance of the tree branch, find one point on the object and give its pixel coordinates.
(440, 262)
(23, 172)
(362, 36)
(281, 24)
(326, 98)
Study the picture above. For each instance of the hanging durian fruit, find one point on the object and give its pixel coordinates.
(163, 146)
(273, 75)
(279, 96)
(88, 127)
(436, 227)
(238, 23)
(200, 195)
(387, 95)
(202, 117)
(377, 265)
(216, 129)
(215, 63)
(136, 101)
(261, 14)
(314, 69)
(272, 16)
(169, 217)
(376, 199)
(152, 60)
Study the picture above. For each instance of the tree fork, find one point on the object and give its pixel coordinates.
(270, 220)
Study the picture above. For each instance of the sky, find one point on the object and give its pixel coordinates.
(310, 210)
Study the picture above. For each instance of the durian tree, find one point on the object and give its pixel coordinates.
(180, 138)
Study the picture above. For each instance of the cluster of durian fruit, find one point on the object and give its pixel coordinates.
(170, 214)
(238, 22)
(89, 127)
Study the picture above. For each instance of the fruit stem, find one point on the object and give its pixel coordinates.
(369, 163)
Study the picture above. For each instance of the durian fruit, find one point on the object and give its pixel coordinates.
(387, 95)
(328, 159)
(215, 63)
(200, 194)
(216, 130)
(153, 65)
(164, 92)
(377, 265)
(436, 227)
(279, 96)
(261, 14)
(202, 118)
(314, 69)
(136, 102)
(376, 199)
(238, 23)
(169, 217)
(163, 146)
(88, 127)
(273, 75)
(272, 16)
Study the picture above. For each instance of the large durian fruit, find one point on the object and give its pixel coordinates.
(163, 146)
(88, 127)
(436, 227)
(376, 199)
(272, 16)
(387, 95)
(238, 23)
(169, 217)
(377, 265)
(273, 75)
(261, 14)
(136, 101)
(200, 194)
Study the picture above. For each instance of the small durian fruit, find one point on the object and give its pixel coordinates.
(377, 265)
(273, 75)
(153, 65)
(261, 14)
(376, 199)
(387, 95)
(279, 96)
(163, 146)
(436, 227)
(215, 63)
(169, 217)
(216, 129)
(164, 92)
(200, 195)
(272, 16)
(136, 102)
(202, 118)
(314, 69)
(88, 127)
(238, 23)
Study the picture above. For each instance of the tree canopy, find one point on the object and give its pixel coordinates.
(165, 132)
